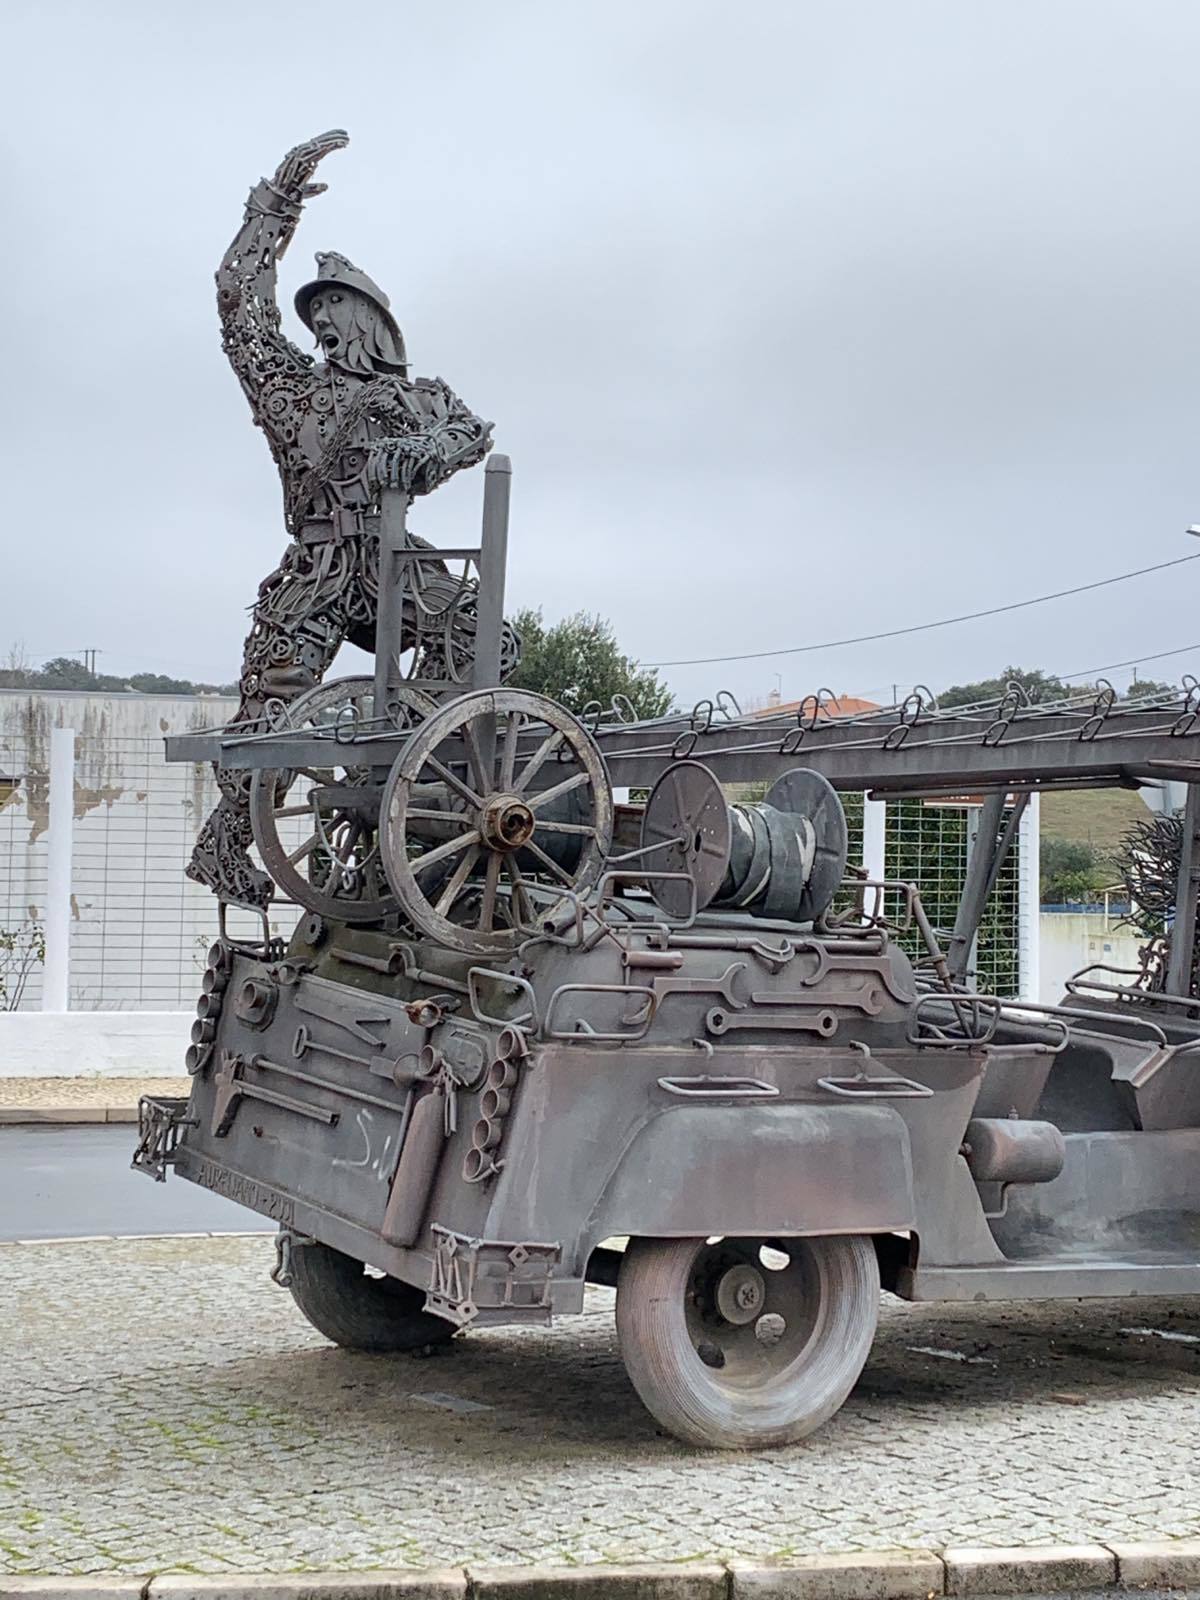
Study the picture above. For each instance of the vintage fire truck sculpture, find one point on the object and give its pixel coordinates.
(523, 1040)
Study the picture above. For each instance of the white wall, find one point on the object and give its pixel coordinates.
(1071, 940)
(93, 1044)
(140, 929)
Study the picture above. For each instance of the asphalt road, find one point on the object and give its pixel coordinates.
(76, 1183)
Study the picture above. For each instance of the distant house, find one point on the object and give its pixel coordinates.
(842, 705)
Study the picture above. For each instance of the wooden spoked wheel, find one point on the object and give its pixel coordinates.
(503, 820)
(317, 828)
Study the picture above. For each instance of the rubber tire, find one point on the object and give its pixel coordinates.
(358, 1311)
(684, 1395)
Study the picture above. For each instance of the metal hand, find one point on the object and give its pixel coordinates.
(294, 173)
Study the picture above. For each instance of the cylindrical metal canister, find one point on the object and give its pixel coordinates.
(1012, 1150)
(416, 1169)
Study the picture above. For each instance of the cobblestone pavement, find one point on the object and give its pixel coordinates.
(163, 1406)
(20, 1094)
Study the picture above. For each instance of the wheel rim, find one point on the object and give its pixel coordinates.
(753, 1311)
(493, 832)
(317, 828)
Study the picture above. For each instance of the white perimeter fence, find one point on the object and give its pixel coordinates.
(95, 831)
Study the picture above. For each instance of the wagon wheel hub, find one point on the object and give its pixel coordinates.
(741, 1294)
(507, 822)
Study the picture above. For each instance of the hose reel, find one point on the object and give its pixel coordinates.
(783, 857)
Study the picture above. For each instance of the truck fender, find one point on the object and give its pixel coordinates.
(759, 1170)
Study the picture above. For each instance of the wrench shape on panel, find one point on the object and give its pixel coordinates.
(822, 1022)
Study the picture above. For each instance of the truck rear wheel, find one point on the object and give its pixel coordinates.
(740, 1343)
(347, 1304)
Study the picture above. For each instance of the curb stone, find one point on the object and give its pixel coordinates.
(881, 1575)
(96, 1587)
(977, 1570)
(14, 1116)
(1168, 1564)
(694, 1581)
(876, 1575)
(420, 1584)
(64, 1116)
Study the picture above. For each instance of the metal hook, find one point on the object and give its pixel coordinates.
(1106, 697)
(927, 696)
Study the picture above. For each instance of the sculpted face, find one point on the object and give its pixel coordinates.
(353, 333)
(340, 316)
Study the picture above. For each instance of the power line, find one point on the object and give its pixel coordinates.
(1134, 661)
(924, 627)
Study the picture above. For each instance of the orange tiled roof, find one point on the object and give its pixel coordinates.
(842, 705)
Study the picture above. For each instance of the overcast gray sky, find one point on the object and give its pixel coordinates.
(798, 320)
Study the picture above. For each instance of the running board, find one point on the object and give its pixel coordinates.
(1051, 1279)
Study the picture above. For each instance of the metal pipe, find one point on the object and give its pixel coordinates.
(389, 615)
(416, 1170)
(493, 557)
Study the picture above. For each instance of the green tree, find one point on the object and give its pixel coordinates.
(1072, 870)
(65, 673)
(578, 660)
(1038, 685)
(62, 672)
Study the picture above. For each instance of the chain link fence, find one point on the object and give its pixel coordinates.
(927, 843)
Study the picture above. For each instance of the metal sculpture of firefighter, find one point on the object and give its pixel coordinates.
(323, 419)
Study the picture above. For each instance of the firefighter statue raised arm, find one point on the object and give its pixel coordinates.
(323, 418)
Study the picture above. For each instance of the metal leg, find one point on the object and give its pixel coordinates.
(1183, 929)
(983, 871)
(299, 623)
